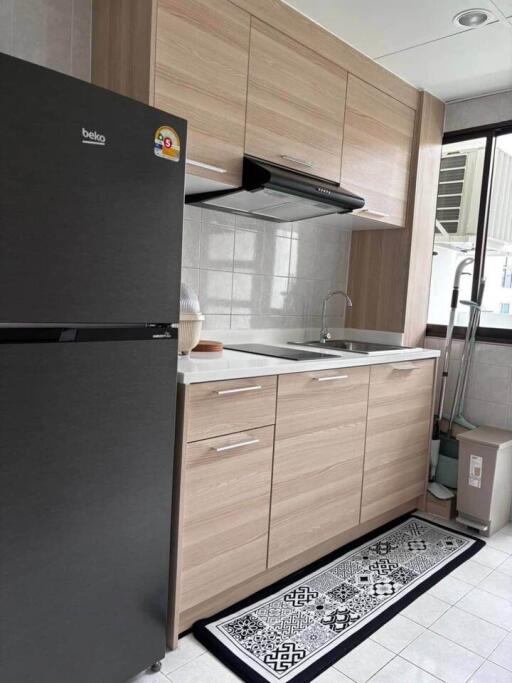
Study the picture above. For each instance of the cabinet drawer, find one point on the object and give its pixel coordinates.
(226, 512)
(229, 406)
(400, 380)
(311, 401)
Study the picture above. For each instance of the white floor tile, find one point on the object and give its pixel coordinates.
(501, 541)
(506, 567)
(361, 663)
(471, 572)
(425, 610)
(401, 671)
(450, 589)
(491, 673)
(507, 529)
(489, 607)
(442, 658)
(490, 557)
(499, 584)
(188, 649)
(502, 655)
(205, 668)
(469, 631)
(398, 633)
(332, 675)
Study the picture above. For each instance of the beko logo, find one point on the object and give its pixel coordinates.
(91, 137)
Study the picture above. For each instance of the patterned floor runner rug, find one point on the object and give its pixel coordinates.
(300, 626)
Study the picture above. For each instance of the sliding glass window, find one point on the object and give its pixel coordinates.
(474, 221)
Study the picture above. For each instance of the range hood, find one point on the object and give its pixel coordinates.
(278, 194)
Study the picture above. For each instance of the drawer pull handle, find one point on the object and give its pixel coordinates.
(296, 160)
(207, 167)
(405, 367)
(330, 378)
(236, 445)
(369, 213)
(224, 392)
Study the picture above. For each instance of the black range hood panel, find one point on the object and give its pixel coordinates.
(277, 194)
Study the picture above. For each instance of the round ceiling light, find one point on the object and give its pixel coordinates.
(471, 18)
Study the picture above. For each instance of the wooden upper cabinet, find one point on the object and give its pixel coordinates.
(201, 61)
(295, 105)
(377, 147)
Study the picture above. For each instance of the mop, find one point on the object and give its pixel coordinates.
(438, 490)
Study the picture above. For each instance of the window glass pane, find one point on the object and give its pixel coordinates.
(497, 308)
(458, 203)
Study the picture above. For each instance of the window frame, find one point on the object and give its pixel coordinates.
(491, 132)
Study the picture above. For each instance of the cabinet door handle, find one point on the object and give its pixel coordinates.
(236, 445)
(296, 160)
(208, 167)
(405, 367)
(224, 392)
(330, 378)
(369, 213)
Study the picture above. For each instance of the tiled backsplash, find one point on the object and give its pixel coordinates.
(253, 274)
(489, 393)
(53, 33)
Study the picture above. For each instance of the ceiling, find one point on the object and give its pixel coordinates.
(417, 40)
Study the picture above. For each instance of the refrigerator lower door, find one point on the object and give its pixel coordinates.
(86, 444)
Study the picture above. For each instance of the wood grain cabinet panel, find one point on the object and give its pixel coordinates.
(397, 436)
(230, 406)
(377, 148)
(225, 513)
(202, 52)
(295, 104)
(318, 459)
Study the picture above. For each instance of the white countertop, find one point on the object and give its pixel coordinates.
(236, 365)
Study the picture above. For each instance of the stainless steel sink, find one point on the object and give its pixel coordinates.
(367, 348)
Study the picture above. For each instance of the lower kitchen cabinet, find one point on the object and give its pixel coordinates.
(318, 459)
(225, 512)
(397, 437)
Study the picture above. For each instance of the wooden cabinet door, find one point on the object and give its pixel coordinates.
(226, 513)
(295, 105)
(318, 458)
(377, 146)
(201, 61)
(397, 436)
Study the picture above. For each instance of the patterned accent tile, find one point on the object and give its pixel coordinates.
(449, 543)
(379, 549)
(299, 596)
(362, 603)
(296, 622)
(363, 578)
(416, 545)
(324, 582)
(339, 619)
(285, 656)
(420, 563)
(263, 642)
(385, 588)
(383, 565)
(403, 575)
(343, 592)
(316, 608)
(244, 627)
(314, 637)
(418, 528)
(346, 569)
(274, 612)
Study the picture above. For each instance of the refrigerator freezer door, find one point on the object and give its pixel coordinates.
(86, 432)
(91, 202)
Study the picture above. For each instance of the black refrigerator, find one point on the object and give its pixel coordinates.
(91, 202)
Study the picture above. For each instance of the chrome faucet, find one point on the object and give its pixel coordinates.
(325, 335)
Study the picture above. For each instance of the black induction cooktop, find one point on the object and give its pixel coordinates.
(278, 352)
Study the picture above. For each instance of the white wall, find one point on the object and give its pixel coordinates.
(479, 111)
(52, 33)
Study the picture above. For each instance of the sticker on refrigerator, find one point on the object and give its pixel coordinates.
(167, 143)
(475, 471)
